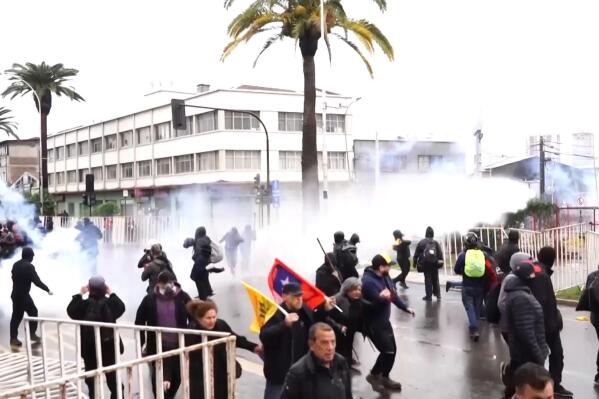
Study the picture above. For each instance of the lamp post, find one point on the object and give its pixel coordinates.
(355, 100)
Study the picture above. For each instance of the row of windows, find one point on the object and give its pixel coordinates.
(288, 122)
(292, 160)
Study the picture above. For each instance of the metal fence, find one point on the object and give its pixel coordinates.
(68, 383)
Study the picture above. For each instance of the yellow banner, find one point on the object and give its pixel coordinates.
(264, 307)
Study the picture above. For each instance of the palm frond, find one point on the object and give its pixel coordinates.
(267, 44)
(367, 33)
(382, 4)
(6, 123)
(357, 50)
(245, 38)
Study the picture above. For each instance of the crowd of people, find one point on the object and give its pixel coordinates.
(309, 353)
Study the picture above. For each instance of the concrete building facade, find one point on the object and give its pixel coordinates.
(19, 160)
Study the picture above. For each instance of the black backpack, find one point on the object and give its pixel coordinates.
(98, 311)
(429, 254)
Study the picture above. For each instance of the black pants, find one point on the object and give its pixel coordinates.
(203, 285)
(384, 341)
(345, 344)
(431, 281)
(20, 305)
(595, 322)
(91, 364)
(405, 269)
(556, 356)
(172, 373)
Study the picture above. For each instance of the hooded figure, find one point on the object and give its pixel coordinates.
(506, 251)
(232, 241)
(403, 257)
(328, 279)
(202, 249)
(345, 255)
(428, 258)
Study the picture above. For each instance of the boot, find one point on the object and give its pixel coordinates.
(35, 339)
(561, 392)
(390, 384)
(376, 382)
(448, 286)
(16, 343)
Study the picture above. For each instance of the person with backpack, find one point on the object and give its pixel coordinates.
(346, 255)
(589, 301)
(102, 305)
(503, 256)
(164, 307)
(471, 265)
(202, 256)
(429, 259)
(158, 263)
(402, 247)
(328, 279)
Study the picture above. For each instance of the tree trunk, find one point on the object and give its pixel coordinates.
(309, 151)
(44, 156)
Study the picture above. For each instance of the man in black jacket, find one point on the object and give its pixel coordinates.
(328, 279)
(164, 307)
(97, 308)
(322, 373)
(346, 256)
(285, 338)
(202, 250)
(429, 258)
(403, 257)
(503, 256)
(23, 275)
(526, 323)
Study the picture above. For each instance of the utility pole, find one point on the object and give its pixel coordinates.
(478, 156)
(541, 168)
(325, 159)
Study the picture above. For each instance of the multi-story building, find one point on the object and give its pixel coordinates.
(552, 142)
(141, 155)
(19, 163)
(583, 150)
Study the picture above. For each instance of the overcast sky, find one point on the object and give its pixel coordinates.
(517, 67)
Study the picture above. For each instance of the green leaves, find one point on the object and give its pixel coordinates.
(6, 123)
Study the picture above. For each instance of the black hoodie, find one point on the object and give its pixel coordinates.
(429, 236)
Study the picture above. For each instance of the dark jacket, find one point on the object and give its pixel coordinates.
(77, 310)
(202, 249)
(196, 364)
(309, 379)
(326, 281)
(503, 256)
(542, 290)
(403, 252)
(460, 264)
(347, 259)
(419, 252)
(23, 274)
(147, 316)
(154, 268)
(380, 310)
(526, 325)
(284, 345)
(89, 236)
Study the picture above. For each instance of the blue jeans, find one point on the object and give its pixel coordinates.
(273, 391)
(472, 298)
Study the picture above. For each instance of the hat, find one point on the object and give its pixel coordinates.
(166, 277)
(381, 260)
(292, 289)
(519, 257)
(525, 270)
(97, 282)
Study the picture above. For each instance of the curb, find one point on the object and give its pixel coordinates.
(566, 302)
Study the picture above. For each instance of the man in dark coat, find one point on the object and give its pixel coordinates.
(328, 279)
(320, 374)
(202, 250)
(346, 256)
(23, 275)
(104, 309)
(403, 257)
(164, 307)
(503, 256)
(429, 258)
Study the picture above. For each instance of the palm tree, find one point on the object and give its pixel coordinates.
(6, 123)
(300, 20)
(45, 80)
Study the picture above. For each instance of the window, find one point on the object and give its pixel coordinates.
(96, 145)
(59, 153)
(82, 173)
(393, 163)
(110, 142)
(242, 159)
(188, 131)
(163, 166)
(83, 147)
(184, 164)
(97, 172)
(143, 135)
(127, 170)
(111, 171)
(126, 138)
(72, 176)
(50, 179)
(144, 168)
(336, 160)
(335, 123)
(50, 155)
(291, 121)
(206, 122)
(208, 160)
(71, 150)
(239, 121)
(162, 131)
(60, 178)
(290, 160)
(426, 162)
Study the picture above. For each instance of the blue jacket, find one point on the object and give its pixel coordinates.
(372, 285)
(460, 264)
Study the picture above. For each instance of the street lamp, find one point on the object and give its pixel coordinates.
(355, 100)
(39, 109)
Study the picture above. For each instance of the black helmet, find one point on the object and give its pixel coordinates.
(471, 240)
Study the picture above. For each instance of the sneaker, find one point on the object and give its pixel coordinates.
(16, 343)
(561, 392)
(376, 382)
(35, 339)
(427, 298)
(438, 297)
(403, 285)
(390, 384)
(448, 286)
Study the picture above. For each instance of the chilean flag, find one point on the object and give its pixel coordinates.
(281, 274)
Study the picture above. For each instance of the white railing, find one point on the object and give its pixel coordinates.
(72, 381)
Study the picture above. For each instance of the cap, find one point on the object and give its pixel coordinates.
(292, 289)
(519, 257)
(381, 260)
(97, 282)
(525, 270)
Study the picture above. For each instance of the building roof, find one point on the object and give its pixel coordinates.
(21, 141)
(508, 160)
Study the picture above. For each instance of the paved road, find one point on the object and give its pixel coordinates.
(435, 357)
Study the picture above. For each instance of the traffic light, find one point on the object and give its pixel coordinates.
(257, 182)
(84, 197)
(178, 114)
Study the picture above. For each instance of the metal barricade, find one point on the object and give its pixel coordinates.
(68, 382)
